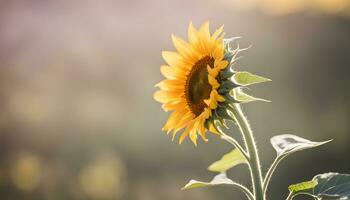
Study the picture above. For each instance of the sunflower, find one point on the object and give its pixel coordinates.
(198, 85)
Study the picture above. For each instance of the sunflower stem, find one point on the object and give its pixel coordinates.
(254, 161)
(270, 172)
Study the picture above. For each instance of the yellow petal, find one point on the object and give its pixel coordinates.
(213, 72)
(204, 31)
(217, 32)
(213, 105)
(213, 129)
(211, 102)
(207, 101)
(221, 37)
(204, 39)
(215, 95)
(184, 48)
(171, 72)
(173, 120)
(204, 136)
(213, 82)
(184, 121)
(173, 105)
(220, 98)
(206, 113)
(218, 53)
(222, 64)
(171, 84)
(173, 59)
(201, 128)
(193, 133)
(186, 132)
(166, 96)
(192, 34)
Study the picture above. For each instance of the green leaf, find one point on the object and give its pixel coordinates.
(302, 186)
(242, 97)
(228, 161)
(246, 78)
(333, 186)
(219, 179)
(286, 144)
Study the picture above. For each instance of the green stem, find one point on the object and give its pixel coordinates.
(290, 196)
(270, 173)
(254, 162)
(244, 190)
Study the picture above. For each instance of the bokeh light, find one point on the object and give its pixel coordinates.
(103, 179)
(26, 172)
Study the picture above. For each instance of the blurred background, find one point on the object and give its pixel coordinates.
(77, 115)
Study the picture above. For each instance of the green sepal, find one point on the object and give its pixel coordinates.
(242, 97)
(224, 122)
(228, 84)
(229, 98)
(218, 124)
(208, 122)
(227, 115)
(221, 120)
(244, 78)
(226, 74)
(223, 91)
(229, 57)
(221, 112)
(218, 120)
(230, 53)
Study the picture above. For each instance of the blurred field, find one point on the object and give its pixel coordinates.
(78, 120)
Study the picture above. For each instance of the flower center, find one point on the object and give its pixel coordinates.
(197, 85)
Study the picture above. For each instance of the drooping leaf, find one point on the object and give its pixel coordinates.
(331, 186)
(246, 78)
(286, 144)
(228, 161)
(220, 179)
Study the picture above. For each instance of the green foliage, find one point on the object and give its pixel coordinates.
(228, 161)
(285, 145)
(302, 186)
